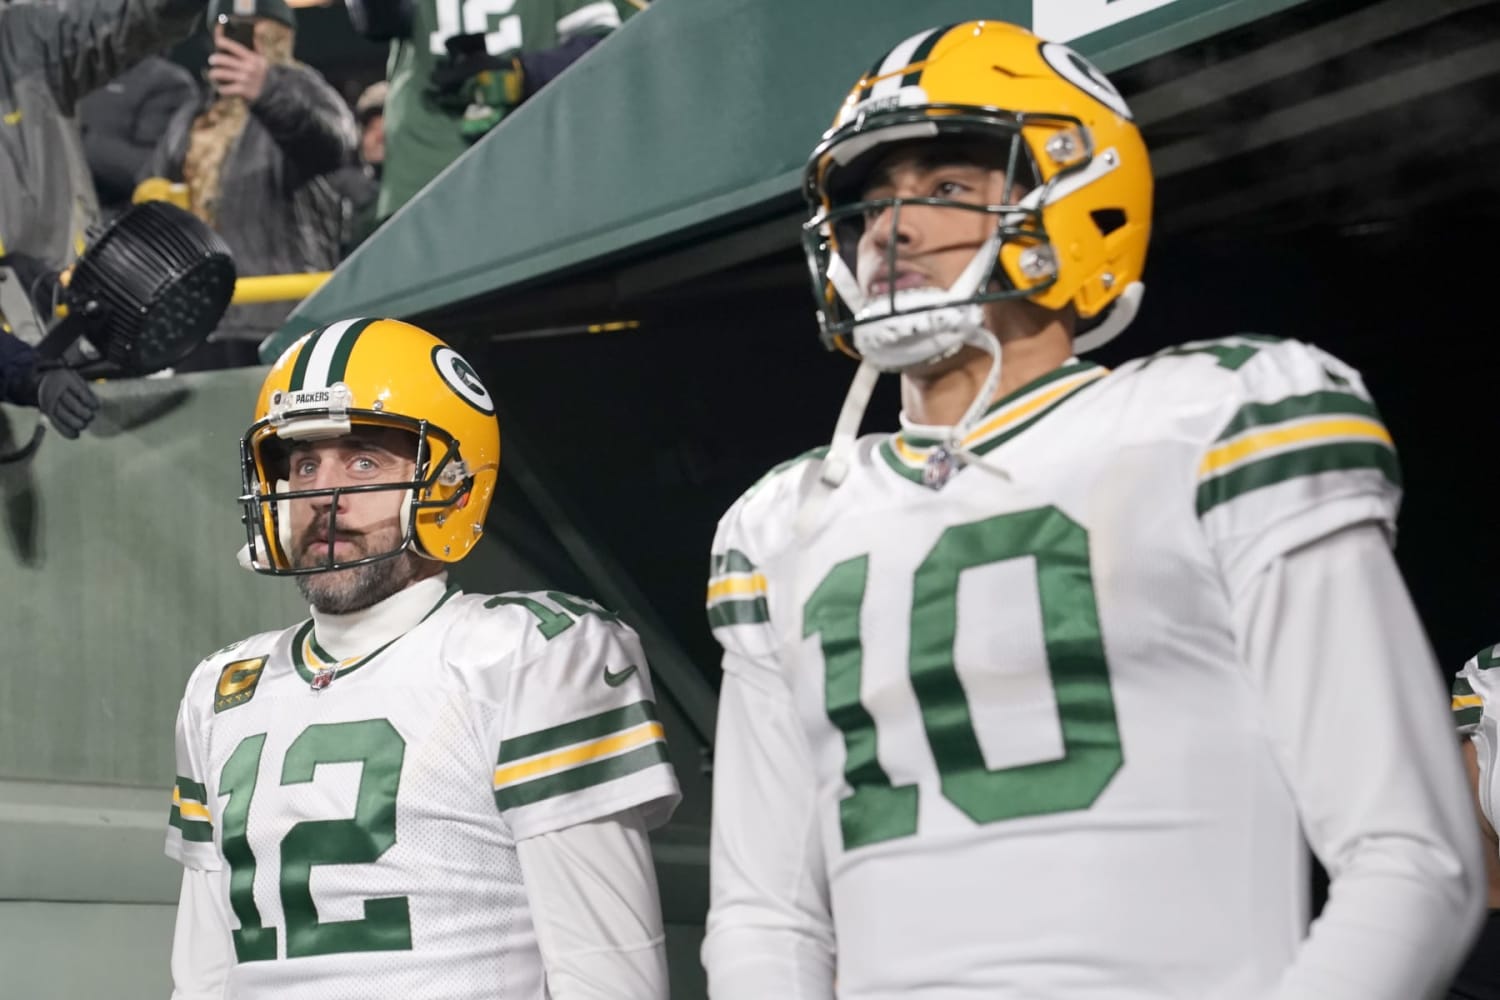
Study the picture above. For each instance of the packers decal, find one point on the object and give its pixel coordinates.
(462, 379)
(237, 683)
(1082, 74)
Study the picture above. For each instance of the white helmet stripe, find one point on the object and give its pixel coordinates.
(324, 347)
(899, 58)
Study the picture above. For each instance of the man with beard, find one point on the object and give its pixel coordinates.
(416, 791)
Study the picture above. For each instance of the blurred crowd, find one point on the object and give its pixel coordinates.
(293, 166)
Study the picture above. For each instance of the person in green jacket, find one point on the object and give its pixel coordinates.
(460, 67)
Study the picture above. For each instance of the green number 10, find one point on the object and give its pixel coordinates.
(879, 811)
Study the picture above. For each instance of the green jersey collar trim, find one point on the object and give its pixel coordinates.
(907, 452)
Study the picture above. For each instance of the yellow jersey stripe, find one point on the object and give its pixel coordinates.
(1467, 701)
(582, 754)
(1011, 415)
(1026, 408)
(1316, 430)
(737, 586)
(190, 810)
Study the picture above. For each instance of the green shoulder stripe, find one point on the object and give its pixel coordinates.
(187, 788)
(577, 778)
(578, 731)
(1468, 708)
(732, 561)
(747, 612)
(1253, 415)
(1337, 457)
(1489, 658)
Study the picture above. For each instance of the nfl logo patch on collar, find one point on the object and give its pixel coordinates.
(941, 466)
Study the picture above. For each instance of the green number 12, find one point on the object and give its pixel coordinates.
(879, 811)
(386, 925)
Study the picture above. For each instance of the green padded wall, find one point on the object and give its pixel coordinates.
(117, 556)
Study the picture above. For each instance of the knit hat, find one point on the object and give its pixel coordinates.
(274, 10)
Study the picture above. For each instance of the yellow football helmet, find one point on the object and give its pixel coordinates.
(1076, 224)
(382, 373)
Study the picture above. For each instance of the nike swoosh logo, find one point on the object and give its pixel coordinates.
(615, 679)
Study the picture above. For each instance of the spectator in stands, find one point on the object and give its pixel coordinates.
(359, 184)
(50, 56)
(122, 121)
(256, 155)
(447, 87)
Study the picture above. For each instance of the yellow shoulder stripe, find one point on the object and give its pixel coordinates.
(190, 810)
(646, 732)
(1335, 428)
(737, 586)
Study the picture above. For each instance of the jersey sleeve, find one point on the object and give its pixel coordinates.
(769, 931)
(1298, 451)
(750, 535)
(578, 733)
(1469, 688)
(190, 824)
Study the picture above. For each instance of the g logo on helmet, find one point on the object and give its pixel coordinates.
(462, 379)
(1085, 76)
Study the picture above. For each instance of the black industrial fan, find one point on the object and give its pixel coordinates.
(144, 294)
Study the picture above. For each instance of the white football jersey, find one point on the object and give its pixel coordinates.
(1476, 701)
(1039, 768)
(364, 829)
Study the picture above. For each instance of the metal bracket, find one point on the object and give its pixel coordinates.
(16, 308)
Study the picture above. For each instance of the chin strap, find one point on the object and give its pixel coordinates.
(846, 431)
(1115, 321)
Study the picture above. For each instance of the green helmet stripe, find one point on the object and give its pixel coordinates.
(299, 370)
(338, 365)
(923, 51)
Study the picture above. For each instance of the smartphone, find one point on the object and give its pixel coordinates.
(239, 29)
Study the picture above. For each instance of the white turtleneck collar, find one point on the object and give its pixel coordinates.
(362, 632)
(936, 432)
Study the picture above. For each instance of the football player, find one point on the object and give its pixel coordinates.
(1039, 696)
(1475, 694)
(416, 792)
(457, 68)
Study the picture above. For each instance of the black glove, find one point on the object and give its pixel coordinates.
(66, 400)
(466, 59)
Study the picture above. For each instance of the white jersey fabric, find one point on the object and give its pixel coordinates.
(1035, 733)
(1476, 702)
(360, 818)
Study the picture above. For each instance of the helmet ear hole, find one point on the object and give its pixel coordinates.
(1108, 219)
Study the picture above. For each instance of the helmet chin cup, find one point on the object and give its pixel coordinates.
(917, 326)
(896, 343)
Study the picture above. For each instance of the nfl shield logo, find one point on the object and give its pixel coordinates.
(322, 679)
(940, 467)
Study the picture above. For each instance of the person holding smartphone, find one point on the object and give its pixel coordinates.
(255, 155)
